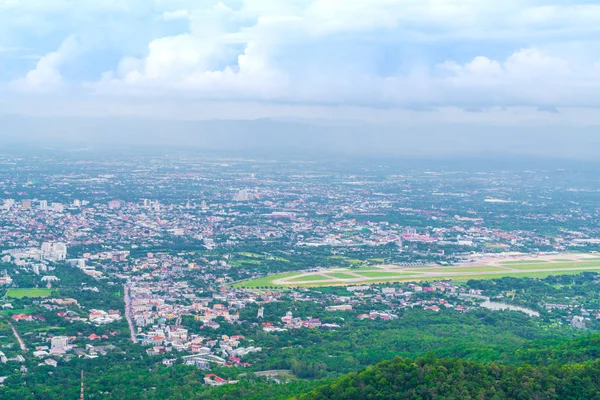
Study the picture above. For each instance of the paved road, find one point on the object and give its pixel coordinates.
(128, 313)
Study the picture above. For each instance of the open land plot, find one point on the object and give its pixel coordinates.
(365, 269)
(443, 270)
(561, 265)
(264, 281)
(340, 275)
(20, 293)
(387, 273)
(309, 278)
(524, 262)
(487, 268)
(251, 255)
(380, 274)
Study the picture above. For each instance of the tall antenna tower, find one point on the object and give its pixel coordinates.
(81, 397)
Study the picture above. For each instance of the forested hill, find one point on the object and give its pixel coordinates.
(431, 378)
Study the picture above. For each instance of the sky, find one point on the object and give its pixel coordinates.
(481, 62)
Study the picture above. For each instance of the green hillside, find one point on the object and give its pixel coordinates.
(431, 378)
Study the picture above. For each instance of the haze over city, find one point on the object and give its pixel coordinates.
(424, 77)
(299, 199)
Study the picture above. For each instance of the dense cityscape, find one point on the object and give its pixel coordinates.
(174, 262)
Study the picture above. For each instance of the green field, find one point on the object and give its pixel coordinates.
(524, 262)
(380, 274)
(20, 293)
(571, 264)
(457, 274)
(458, 269)
(362, 269)
(341, 275)
(251, 255)
(310, 278)
(264, 281)
(558, 266)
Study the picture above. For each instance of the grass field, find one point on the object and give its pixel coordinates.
(524, 262)
(20, 293)
(341, 276)
(309, 278)
(381, 274)
(555, 265)
(458, 269)
(265, 281)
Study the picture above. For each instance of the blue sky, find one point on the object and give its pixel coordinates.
(323, 58)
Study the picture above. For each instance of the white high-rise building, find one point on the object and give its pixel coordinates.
(60, 251)
(59, 343)
(114, 204)
(54, 251)
(43, 205)
(242, 195)
(8, 203)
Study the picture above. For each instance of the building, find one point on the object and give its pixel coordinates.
(59, 343)
(578, 322)
(43, 205)
(214, 380)
(5, 280)
(54, 251)
(114, 204)
(242, 195)
(25, 204)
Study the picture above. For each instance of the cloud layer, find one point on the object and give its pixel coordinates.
(470, 54)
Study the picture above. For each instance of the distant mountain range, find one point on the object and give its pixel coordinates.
(267, 136)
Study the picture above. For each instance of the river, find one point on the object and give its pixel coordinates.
(503, 306)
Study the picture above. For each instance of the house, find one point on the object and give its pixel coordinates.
(214, 380)
(50, 362)
(22, 317)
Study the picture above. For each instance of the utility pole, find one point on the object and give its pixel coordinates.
(81, 397)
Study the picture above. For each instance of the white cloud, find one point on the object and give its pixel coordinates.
(46, 75)
(465, 53)
(528, 76)
(174, 15)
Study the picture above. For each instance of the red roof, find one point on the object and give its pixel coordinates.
(93, 336)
